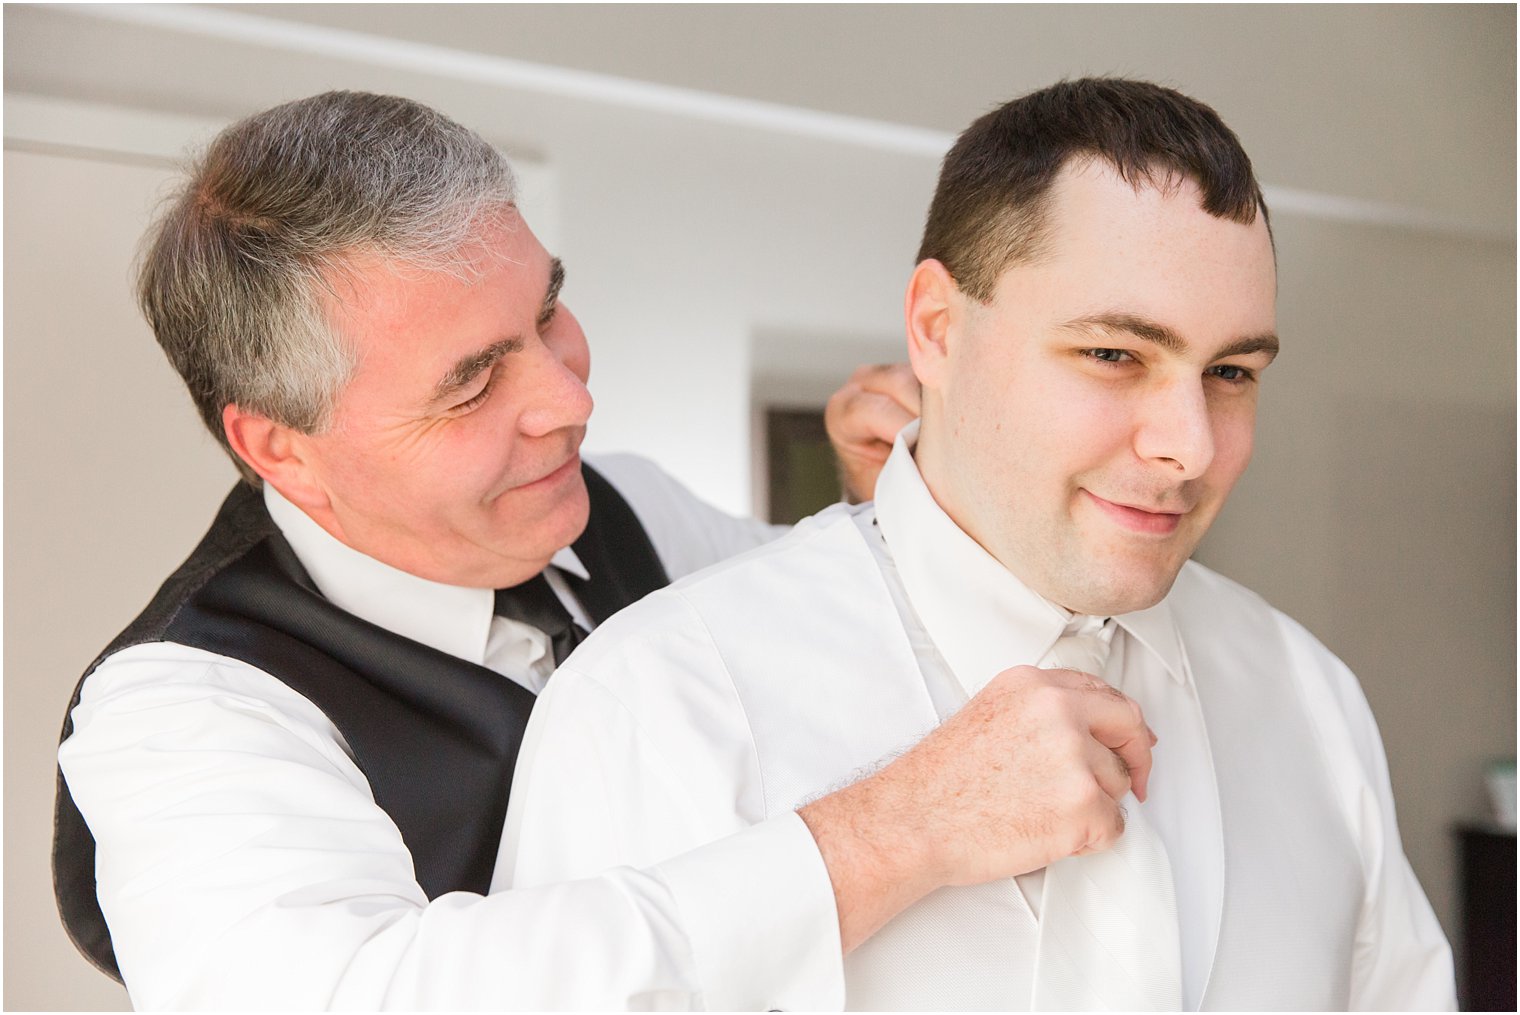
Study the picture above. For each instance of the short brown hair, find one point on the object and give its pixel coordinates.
(989, 208)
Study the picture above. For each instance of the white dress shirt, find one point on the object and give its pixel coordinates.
(957, 594)
(242, 861)
(742, 692)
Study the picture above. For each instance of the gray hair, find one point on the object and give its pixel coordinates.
(233, 274)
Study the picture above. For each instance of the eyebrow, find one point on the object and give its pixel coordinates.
(551, 296)
(1166, 338)
(471, 366)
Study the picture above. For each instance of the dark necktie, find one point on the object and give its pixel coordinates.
(535, 604)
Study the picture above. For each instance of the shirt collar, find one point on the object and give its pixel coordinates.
(566, 560)
(980, 617)
(450, 618)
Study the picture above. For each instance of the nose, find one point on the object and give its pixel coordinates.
(1175, 430)
(557, 398)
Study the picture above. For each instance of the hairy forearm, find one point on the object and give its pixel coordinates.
(1029, 771)
(872, 844)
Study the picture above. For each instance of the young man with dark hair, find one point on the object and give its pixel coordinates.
(1090, 319)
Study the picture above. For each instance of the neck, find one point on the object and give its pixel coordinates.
(930, 457)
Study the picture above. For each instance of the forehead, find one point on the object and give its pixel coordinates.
(409, 325)
(498, 276)
(1149, 250)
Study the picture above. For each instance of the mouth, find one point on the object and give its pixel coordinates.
(1138, 519)
(571, 466)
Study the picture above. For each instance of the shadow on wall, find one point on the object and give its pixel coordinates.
(1430, 518)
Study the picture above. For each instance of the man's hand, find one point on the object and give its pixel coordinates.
(1031, 770)
(862, 419)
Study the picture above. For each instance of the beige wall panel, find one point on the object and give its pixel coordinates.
(110, 478)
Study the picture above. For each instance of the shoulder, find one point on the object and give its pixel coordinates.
(687, 532)
(1202, 589)
(633, 475)
(1211, 597)
(1205, 597)
(1329, 693)
(679, 636)
(648, 489)
(823, 544)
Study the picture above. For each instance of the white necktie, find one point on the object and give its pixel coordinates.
(1108, 921)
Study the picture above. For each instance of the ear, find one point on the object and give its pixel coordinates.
(283, 458)
(932, 309)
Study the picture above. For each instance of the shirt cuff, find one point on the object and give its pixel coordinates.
(758, 907)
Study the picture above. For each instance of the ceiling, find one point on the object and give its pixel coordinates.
(1409, 105)
(1393, 103)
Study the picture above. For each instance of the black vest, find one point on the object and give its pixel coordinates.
(437, 737)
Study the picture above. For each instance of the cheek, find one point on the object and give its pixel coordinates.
(1083, 432)
(1047, 431)
(476, 462)
(355, 465)
(453, 466)
(1234, 441)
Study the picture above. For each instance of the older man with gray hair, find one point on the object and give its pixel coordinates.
(283, 785)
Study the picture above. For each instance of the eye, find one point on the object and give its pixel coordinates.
(547, 317)
(1232, 374)
(476, 399)
(1115, 356)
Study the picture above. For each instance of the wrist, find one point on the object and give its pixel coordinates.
(853, 487)
(872, 838)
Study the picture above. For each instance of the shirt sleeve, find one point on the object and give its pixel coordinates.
(243, 863)
(640, 751)
(1402, 961)
(687, 532)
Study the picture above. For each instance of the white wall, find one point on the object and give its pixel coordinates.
(109, 478)
(709, 245)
